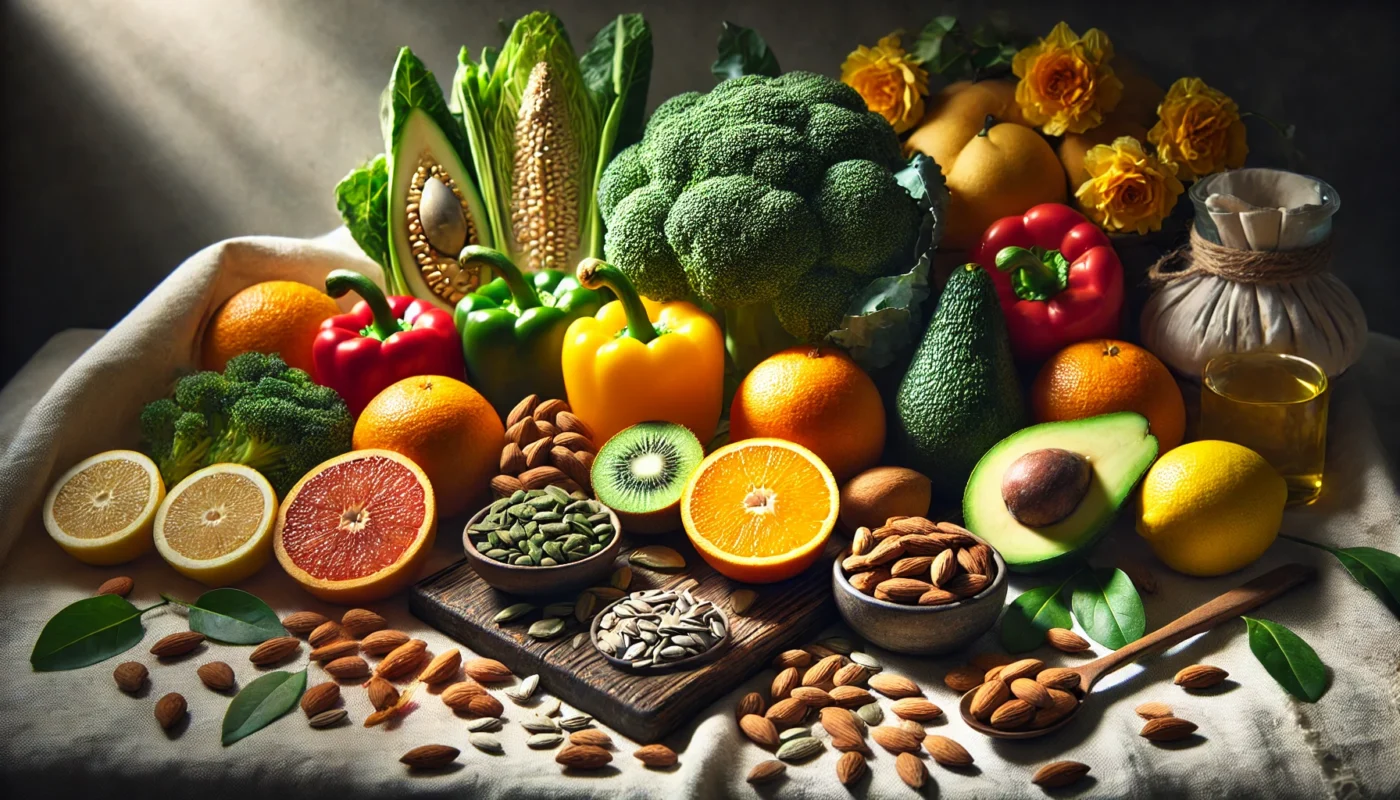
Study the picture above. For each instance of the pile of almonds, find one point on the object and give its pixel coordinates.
(1025, 695)
(913, 561)
(546, 444)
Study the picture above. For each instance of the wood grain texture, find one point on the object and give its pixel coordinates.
(642, 707)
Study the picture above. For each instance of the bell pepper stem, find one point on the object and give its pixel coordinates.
(342, 281)
(1032, 275)
(594, 273)
(521, 292)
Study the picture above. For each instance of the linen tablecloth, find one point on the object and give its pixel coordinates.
(73, 732)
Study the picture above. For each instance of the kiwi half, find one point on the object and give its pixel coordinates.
(641, 472)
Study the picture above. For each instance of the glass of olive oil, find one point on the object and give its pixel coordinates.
(1274, 404)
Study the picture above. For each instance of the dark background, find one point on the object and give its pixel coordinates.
(140, 131)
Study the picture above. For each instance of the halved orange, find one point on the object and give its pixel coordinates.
(358, 527)
(215, 526)
(760, 510)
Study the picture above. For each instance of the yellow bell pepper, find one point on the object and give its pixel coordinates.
(638, 360)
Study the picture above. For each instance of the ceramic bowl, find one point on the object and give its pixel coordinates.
(920, 630)
(537, 581)
(679, 665)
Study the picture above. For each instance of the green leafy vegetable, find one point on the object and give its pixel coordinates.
(1108, 606)
(363, 200)
(1377, 570)
(743, 52)
(617, 71)
(1289, 659)
(261, 703)
(91, 630)
(232, 616)
(1030, 615)
(944, 47)
(414, 86)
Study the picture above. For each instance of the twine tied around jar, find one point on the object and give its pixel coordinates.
(1204, 257)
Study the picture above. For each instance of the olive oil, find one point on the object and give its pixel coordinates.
(1276, 405)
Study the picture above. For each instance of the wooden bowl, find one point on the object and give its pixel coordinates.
(670, 666)
(538, 581)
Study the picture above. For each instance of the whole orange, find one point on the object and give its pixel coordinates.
(817, 397)
(1104, 375)
(446, 427)
(271, 317)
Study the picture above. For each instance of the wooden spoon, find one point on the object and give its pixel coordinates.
(1223, 608)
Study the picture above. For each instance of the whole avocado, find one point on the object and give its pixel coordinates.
(960, 395)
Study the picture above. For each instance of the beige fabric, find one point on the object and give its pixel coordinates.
(72, 731)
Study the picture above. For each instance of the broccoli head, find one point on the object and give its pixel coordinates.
(259, 412)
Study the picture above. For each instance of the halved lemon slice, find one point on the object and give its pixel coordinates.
(760, 510)
(101, 510)
(216, 524)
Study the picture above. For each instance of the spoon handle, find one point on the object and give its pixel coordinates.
(1223, 608)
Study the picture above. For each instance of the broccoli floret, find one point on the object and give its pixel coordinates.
(636, 243)
(625, 175)
(259, 412)
(816, 305)
(869, 218)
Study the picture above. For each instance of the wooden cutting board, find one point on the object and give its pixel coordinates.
(642, 707)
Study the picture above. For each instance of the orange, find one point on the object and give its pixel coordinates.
(280, 317)
(1104, 375)
(818, 398)
(760, 510)
(446, 427)
(358, 527)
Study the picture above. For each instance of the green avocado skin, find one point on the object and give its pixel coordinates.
(960, 395)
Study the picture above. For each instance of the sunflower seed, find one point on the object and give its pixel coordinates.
(511, 613)
(486, 742)
(800, 749)
(578, 641)
(654, 626)
(657, 557)
(546, 628)
(576, 722)
(548, 707)
(484, 725)
(522, 692)
(326, 719)
(544, 741)
(868, 661)
(741, 601)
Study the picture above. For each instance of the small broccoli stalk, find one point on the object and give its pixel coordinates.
(522, 294)
(384, 324)
(595, 274)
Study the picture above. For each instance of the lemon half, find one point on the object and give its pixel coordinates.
(101, 510)
(215, 526)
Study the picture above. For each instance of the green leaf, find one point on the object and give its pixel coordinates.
(233, 616)
(945, 48)
(940, 47)
(1029, 616)
(363, 200)
(262, 702)
(1289, 659)
(1108, 607)
(414, 86)
(618, 65)
(91, 630)
(1377, 570)
(743, 52)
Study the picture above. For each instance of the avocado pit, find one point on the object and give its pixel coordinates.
(1044, 486)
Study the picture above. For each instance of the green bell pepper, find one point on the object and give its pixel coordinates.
(513, 327)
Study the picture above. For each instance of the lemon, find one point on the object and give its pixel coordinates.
(215, 526)
(101, 510)
(1211, 507)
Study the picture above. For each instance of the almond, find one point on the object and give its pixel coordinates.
(576, 442)
(937, 597)
(787, 712)
(985, 661)
(957, 534)
(901, 590)
(512, 459)
(913, 726)
(760, 730)
(917, 709)
(894, 686)
(895, 740)
(216, 675)
(1059, 774)
(443, 668)
(967, 584)
(851, 696)
(915, 525)
(583, 756)
(1153, 710)
(886, 551)
(1061, 704)
(569, 421)
(823, 671)
(523, 409)
(792, 658)
(1030, 691)
(963, 679)
(536, 454)
(402, 659)
(1012, 714)
(334, 650)
(862, 542)
(458, 694)
(320, 697)
(850, 767)
(852, 674)
(1200, 676)
(348, 668)
(274, 651)
(766, 771)
(325, 633)
(865, 582)
(911, 770)
(540, 477)
(911, 567)
(430, 756)
(968, 562)
(121, 586)
(177, 644)
(812, 697)
(1058, 678)
(302, 623)
(523, 432)
(843, 727)
(947, 752)
(130, 676)
(751, 703)
(1066, 641)
(382, 694)
(655, 755)
(485, 705)
(506, 485)
(993, 674)
(987, 698)
(381, 642)
(361, 622)
(783, 684)
(1167, 729)
(1025, 668)
(943, 568)
(591, 736)
(170, 709)
(917, 544)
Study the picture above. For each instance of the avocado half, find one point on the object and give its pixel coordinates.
(1119, 451)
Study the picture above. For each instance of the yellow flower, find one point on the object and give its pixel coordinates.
(1199, 129)
(1128, 188)
(890, 80)
(1066, 83)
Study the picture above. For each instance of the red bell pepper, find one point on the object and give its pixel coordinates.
(382, 341)
(1057, 276)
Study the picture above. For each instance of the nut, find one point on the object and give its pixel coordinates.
(320, 697)
(302, 623)
(523, 432)
(963, 679)
(325, 633)
(402, 659)
(655, 755)
(274, 651)
(360, 622)
(850, 767)
(1167, 729)
(851, 696)
(591, 736)
(1153, 710)
(512, 459)
(786, 712)
(1061, 704)
(947, 752)
(944, 567)
(1012, 714)
(1200, 676)
(895, 740)
(430, 756)
(967, 584)
(1066, 641)
(382, 694)
(177, 644)
(506, 485)
(851, 675)
(347, 668)
(751, 703)
(783, 683)
(911, 770)
(456, 696)
(486, 670)
(583, 756)
(381, 642)
(812, 696)
(1025, 668)
(442, 668)
(548, 410)
(485, 705)
(568, 421)
(1030, 691)
(170, 709)
(537, 453)
(216, 675)
(540, 477)
(901, 590)
(823, 671)
(576, 442)
(1058, 678)
(760, 730)
(121, 587)
(130, 676)
(894, 686)
(1059, 774)
(766, 772)
(522, 410)
(988, 697)
(911, 567)
(917, 709)
(334, 650)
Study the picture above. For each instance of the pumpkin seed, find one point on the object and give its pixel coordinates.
(486, 742)
(585, 606)
(836, 644)
(559, 610)
(800, 749)
(544, 741)
(484, 725)
(621, 579)
(657, 557)
(537, 529)
(546, 628)
(868, 661)
(741, 601)
(794, 733)
(871, 713)
(512, 613)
